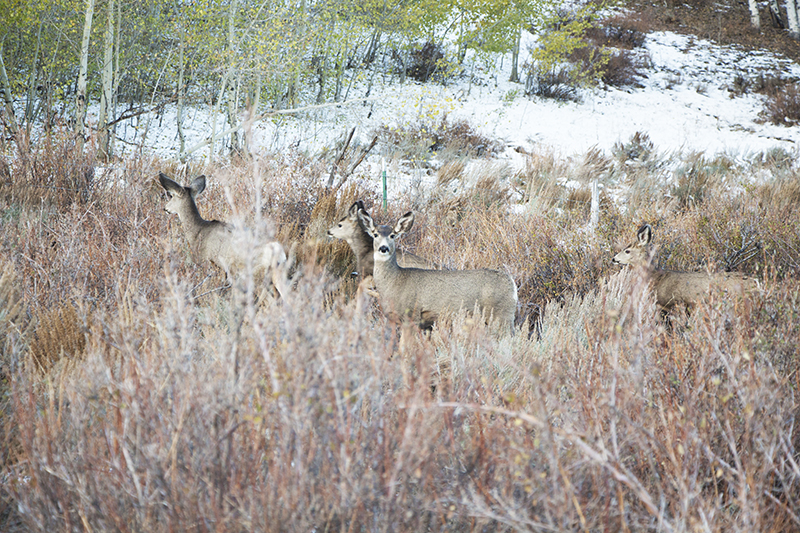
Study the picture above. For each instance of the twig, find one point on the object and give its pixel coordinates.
(340, 158)
(364, 152)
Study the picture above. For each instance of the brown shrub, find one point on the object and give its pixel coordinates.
(782, 106)
(623, 70)
(425, 62)
(448, 139)
(51, 171)
(59, 336)
(626, 32)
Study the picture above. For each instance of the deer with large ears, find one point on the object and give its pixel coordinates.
(212, 240)
(675, 287)
(350, 229)
(425, 295)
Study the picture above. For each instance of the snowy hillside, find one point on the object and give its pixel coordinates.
(684, 105)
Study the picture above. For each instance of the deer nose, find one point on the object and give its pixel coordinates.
(384, 249)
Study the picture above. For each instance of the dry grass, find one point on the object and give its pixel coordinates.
(59, 336)
(445, 138)
(315, 413)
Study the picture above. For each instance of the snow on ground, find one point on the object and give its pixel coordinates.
(684, 106)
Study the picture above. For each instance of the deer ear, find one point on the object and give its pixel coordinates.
(198, 185)
(169, 185)
(404, 224)
(645, 235)
(354, 209)
(366, 220)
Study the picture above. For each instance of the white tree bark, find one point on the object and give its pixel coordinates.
(755, 20)
(107, 96)
(232, 92)
(6, 90)
(80, 107)
(225, 79)
(793, 22)
(181, 67)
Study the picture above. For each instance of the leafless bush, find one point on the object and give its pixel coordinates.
(783, 106)
(623, 70)
(425, 61)
(699, 177)
(448, 139)
(626, 32)
(557, 85)
(51, 171)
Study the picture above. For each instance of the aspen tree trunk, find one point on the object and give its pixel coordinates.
(775, 14)
(7, 99)
(755, 20)
(28, 119)
(793, 22)
(253, 101)
(300, 30)
(80, 107)
(515, 56)
(224, 84)
(181, 89)
(232, 98)
(107, 97)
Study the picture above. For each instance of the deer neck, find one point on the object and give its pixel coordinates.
(386, 269)
(191, 221)
(362, 248)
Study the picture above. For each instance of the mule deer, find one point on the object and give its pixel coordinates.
(351, 230)
(425, 295)
(212, 240)
(674, 287)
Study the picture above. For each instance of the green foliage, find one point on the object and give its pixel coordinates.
(495, 26)
(553, 58)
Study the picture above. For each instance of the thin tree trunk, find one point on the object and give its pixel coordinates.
(775, 15)
(792, 20)
(107, 97)
(232, 100)
(253, 101)
(7, 97)
(755, 19)
(299, 34)
(372, 49)
(462, 49)
(29, 114)
(80, 107)
(515, 57)
(181, 67)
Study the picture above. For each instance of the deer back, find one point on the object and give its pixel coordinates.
(689, 288)
(425, 295)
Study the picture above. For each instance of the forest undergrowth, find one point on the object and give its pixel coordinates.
(136, 395)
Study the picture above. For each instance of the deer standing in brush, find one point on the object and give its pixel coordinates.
(425, 295)
(675, 287)
(212, 240)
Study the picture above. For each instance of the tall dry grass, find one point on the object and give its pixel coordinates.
(167, 405)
